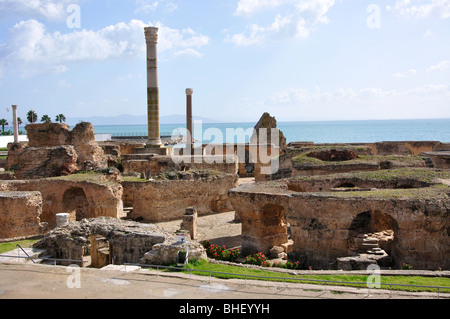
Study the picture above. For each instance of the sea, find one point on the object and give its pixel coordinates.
(367, 131)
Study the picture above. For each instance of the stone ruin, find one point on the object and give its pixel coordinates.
(114, 241)
(333, 223)
(340, 206)
(54, 150)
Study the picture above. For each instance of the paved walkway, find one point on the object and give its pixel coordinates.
(31, 281)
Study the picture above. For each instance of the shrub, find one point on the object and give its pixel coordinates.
(406, 266)
(220, 252)
(258, 259)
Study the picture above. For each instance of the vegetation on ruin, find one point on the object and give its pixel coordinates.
(8, 246)
(134, 179)
(180, 175)
(95, 176)
(435, 192)
(419, 174)
(219, 270)
(403, 160)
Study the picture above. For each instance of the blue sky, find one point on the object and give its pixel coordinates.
(299, 60)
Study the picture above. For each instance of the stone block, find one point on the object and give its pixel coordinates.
(20, 214)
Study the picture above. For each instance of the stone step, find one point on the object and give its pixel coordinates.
(34, 253)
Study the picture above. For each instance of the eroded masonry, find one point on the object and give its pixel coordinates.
(328, 206)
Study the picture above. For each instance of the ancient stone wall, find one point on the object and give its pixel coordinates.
(157, 164)
(165, 200)
(440, 159)
(83, 199)
(46, 161)
(54, 150)
(20, 214)
(324, 226)
(122, 241)
(322, 229)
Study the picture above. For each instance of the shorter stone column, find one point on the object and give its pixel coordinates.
(190, 221)
(62, 219)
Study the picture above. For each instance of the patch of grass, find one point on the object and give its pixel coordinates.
(5, 247)
(436, 192)
(359, 281)
(420, 174)
(134, 179)
(89, 176)
(405, 160)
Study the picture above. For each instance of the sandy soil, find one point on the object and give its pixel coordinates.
(219, 229)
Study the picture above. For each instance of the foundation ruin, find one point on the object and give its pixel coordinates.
(328, 206)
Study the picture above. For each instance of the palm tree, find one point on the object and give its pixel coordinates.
(19, 122)
(32, 116)
(46, 118)
(3, 122)
(60, 118)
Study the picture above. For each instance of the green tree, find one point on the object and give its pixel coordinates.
(46, 118)
(19, 122)
(3, 122)
(32, 116)
(60, 118)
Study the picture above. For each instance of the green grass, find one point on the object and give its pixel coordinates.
(406, 160)
(5, 247)
(134, 179)
(342, 280)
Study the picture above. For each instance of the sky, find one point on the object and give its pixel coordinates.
(299, 60)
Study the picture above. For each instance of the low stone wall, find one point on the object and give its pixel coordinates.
(440, 159)
(406, 147)
(165, 200)
(157, 164)
(82, 199)
(20, 214)
(326, 184)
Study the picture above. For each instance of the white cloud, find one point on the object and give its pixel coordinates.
(422, 8)
(148, 6)
(301, 95)
(189, 52)
(145, 6)
(371, 102)
(428, 33)
(444, 65)
(298, 19)
(410, 72)
(246, 7)
(32, 50)
(52, 10)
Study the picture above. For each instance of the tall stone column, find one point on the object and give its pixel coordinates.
(189, 127)
(151, 38)
(15, 124)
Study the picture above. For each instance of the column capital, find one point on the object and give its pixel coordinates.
(189, 91)
(151, 34)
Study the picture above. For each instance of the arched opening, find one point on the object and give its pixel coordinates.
(346, 185)
(373, 232)
(76, 204)
(249, 163)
